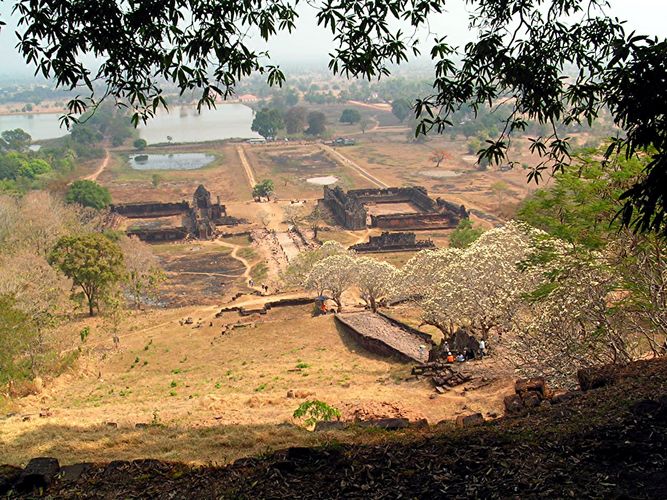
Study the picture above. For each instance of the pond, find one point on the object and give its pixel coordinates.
(323, 181)
(179, 124)
(178, 161)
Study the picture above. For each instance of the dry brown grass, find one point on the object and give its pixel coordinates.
(218, 397)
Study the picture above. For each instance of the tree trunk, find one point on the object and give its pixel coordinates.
(374, 306)
(338, 304)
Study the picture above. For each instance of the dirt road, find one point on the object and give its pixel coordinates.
(246, 166)
(100, 169)
(346, 162)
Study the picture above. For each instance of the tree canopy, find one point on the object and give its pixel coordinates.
(556, 61)
(263, 189)
(317, 123)
(92, 261)
(350, 116)
(88, 194)
(267, 122)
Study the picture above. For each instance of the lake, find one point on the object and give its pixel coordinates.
(181, 123)
(40, 126)
(177, 161)
(184, 124)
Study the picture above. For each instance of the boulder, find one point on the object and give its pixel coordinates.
(331, 425)
(535, 384)
(465, 421)
(594, 378)
(9, 475)
(39, 473)
(390, 424)
(513, 404)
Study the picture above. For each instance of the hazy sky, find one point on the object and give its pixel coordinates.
(311, 43)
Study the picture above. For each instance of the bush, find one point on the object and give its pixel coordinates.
(316, 411)
(89, 194)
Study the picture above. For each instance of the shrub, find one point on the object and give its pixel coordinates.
(316, 411)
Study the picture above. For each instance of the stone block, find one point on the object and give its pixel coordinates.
(561, 396)
(72, 473)
(472, 420)
(594, 378)
(513, 404)
(531, 399)
(390, 424)
(9, 475)
(535, 384)
(39, 473)
(332, 425)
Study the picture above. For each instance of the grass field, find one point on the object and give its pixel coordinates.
(215, 397)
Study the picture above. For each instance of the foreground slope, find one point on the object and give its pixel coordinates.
(608, 442)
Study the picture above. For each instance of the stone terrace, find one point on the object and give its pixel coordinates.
(378, 333)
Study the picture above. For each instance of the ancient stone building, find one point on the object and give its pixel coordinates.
(392, 242)
(200, 217)
(351, 209)
(347, 210)
(205, 215)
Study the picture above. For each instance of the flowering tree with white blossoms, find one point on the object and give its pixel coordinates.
(333, 274)
(478, 287)
(572, 322)
(422, 272)
(302, 265)
(374, 279)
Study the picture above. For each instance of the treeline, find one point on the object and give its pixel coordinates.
(295, 120)
(23, 169)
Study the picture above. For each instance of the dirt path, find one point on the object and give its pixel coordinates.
(201, 273)
(100, 169)
(361, 238)
(346, 162)
(235, 255)
(246, 166)
(288, 246)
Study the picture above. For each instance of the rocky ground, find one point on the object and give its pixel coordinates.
(605, 443)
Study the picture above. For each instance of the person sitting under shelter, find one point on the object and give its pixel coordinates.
(460, 358)
(450, 357)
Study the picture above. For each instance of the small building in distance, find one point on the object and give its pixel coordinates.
(248, 98)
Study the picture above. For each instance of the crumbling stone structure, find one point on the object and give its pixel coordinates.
(150, 210)
(347, 210)
(200, 218)
(351, 212)
(393, 242)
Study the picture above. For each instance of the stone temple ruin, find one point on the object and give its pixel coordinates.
(199, 218)
(353, 209)
(393, 242)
